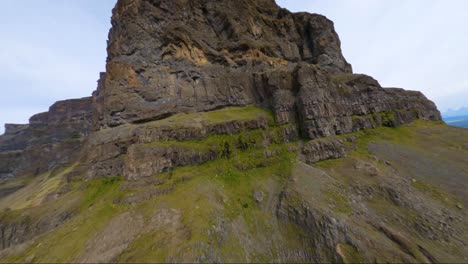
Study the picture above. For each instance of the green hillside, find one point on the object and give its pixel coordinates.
(399, 194)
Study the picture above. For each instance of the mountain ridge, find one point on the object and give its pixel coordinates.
(462, 111)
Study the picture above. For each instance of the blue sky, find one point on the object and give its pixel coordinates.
(54, 50)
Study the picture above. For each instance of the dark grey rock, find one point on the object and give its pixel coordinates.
(50, 139)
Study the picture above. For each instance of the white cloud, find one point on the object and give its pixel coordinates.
(44, 65)
(417, 44)
(51, 51)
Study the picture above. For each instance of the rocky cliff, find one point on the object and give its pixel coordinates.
(171, 57)
(167, 57)
(51, 139)
(231, 131)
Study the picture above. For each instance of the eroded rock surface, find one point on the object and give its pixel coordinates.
(170, 57)
(167, 57)
(49, 140)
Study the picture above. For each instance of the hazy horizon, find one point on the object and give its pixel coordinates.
(55, 50)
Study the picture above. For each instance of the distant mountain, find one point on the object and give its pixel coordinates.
(463, 111)
(458, 121)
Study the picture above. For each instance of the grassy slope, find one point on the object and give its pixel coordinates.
(225, 210)
(423, 164)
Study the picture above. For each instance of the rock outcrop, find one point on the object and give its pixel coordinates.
(167, 57)
(170, 57)
(49, 140)
(320, 150)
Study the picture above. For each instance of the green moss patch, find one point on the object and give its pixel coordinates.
(436, 193)
(217, 207)
(338, 201)
(349, 254)
(35, 192)
(64, 244)
(225, 115)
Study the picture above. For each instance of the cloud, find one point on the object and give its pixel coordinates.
(51, 51)
(417, 44)
(44, 65)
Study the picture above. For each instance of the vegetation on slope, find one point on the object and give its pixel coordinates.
(261, 203)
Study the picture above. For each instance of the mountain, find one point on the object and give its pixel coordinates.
(458, 121)
(458, 118)
(462, 111)
(233, 131)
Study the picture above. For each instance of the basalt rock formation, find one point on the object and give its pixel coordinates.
(232, 131)
(51, 139)
(170, 57)
(167, 57)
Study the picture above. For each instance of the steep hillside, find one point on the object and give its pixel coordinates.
(233, 131)
(254, 196)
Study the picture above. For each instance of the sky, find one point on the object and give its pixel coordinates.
(54, 50)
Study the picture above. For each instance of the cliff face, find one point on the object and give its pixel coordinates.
(50, 140)
(179, 56)
(167, 57)
(232, 131)
(170, 57)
